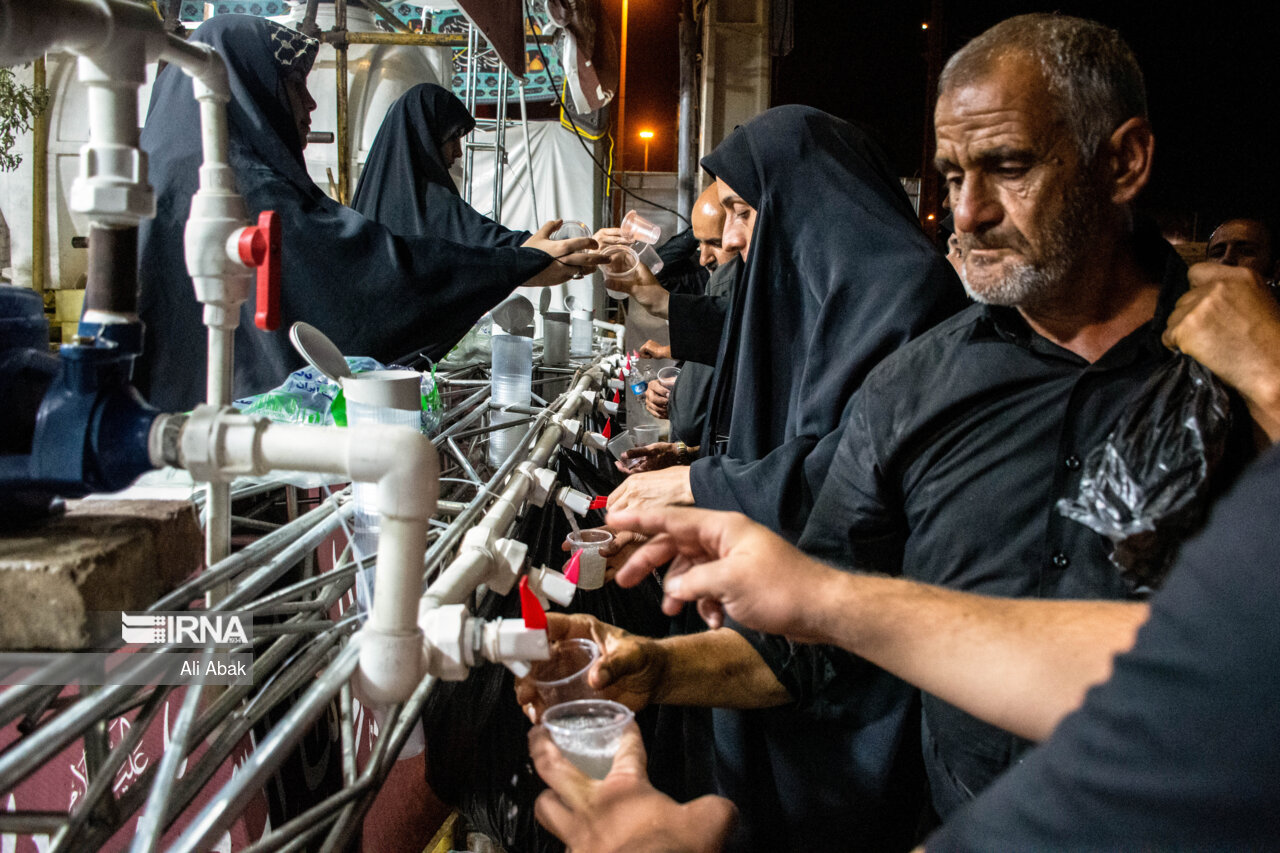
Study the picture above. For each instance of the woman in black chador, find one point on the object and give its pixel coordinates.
(372, 292)
(406, 184)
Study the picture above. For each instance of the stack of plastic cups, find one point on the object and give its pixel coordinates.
(555, 331)
(510, 384)
(582, 333)
(377, 397)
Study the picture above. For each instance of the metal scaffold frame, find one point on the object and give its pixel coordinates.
(304, 657)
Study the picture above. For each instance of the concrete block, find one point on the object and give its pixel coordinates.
(62, 583)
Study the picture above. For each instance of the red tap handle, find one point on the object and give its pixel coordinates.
(599, 502)
(534, 616)
(573, 567)
(260, 247)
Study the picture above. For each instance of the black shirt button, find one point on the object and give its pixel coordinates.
(1061, 560)
(1072, 462)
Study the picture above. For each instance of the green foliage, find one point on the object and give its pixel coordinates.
(19, 106)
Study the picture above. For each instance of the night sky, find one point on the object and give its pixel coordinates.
(1212, 72)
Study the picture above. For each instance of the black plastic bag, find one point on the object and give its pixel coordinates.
(1146, 487)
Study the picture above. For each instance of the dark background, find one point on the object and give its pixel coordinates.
(1212, 72)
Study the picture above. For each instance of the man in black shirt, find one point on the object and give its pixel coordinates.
(960, 444)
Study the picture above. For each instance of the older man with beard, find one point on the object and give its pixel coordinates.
(960, 444)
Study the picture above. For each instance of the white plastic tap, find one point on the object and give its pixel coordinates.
(454, 641)
(549, 585)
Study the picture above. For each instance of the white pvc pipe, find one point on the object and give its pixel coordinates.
(406, 469)
(475, 562)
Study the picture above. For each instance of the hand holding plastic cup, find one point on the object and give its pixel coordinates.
(563, 676)
(591, 563)
(622, 262)
(637, 229)
(588, 732)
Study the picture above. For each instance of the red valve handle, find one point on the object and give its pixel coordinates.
(534, 616)
(260, 247)
(573, 568)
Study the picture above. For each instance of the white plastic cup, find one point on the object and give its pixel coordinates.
(591, 563)
(645, 434)
(637, 229)
(588, 732)
(563, 676)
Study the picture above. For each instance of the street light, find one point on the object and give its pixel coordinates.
(646, 135)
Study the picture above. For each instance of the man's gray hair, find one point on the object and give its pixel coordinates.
(1086, 65)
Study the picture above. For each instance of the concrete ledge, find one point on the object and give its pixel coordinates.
(103, 555)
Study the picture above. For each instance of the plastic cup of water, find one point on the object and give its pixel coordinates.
(645, 434)
(571, 229)
(588, 732)
(637, 229)
(668, 375)
(563, 676)
(591, 564)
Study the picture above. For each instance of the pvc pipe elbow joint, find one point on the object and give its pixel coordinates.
(391, 665)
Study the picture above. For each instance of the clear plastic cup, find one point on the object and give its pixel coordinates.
(622, 263)
(555, 340)
(649, 257)
(645, 434)
(621, 443)
(581, 333)
(588, 732)
(563, 676)
(591, 564)
(637, 229)
(570, 229)
(668, 375)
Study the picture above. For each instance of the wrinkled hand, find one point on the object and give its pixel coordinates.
(572, 258)
(656, 398)
(651, 457)
(630, 668)
(653, 349)
(622, 813)
(653, 488)
(1230, 323)
(728, 564)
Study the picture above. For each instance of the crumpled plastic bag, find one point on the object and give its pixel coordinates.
(307, 396)
(1146, 487)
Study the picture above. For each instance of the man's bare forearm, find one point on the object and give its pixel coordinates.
(1021, 664)
(717, 669)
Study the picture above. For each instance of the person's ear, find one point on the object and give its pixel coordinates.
(1128, 155)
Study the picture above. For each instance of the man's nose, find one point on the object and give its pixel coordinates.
(1230, 258)
(974, 206)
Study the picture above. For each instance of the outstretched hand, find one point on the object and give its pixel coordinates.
(729, 565)
(572, 258)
